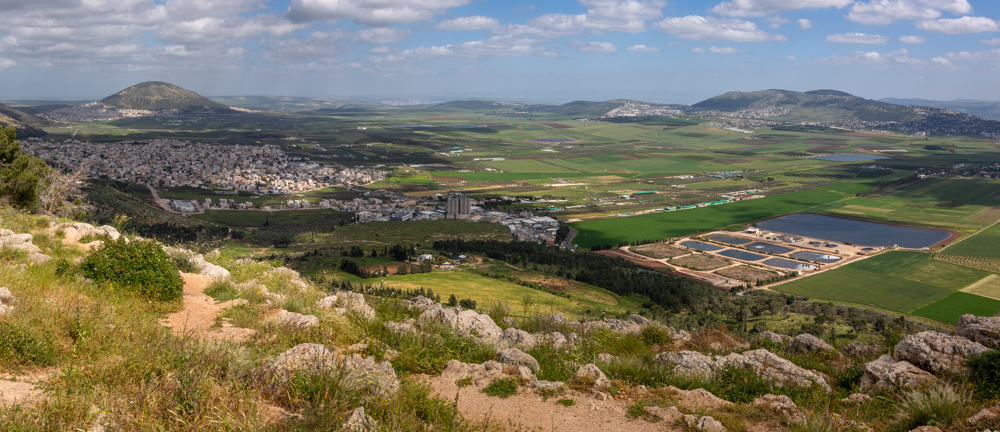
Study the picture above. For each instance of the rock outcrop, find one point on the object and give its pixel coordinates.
(806, 342)
(358, 421)
(371, 377)
(74, 231)
(859, 350)
(517, 337)
(985, 330)
(589, 373)
(772, 337)
(516, 357)
(356, 372)
(769, 366)
(688, 363)
(887, 373)
(20, 242)
(466, 323)
(481, 374)
(355, 303)
(293, 319)
(7, 301)
(937, 352)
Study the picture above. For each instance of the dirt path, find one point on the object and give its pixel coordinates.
(200, 312)
(18, 389)
(529, 411)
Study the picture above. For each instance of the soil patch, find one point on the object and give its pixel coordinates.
(746, 273)
(630, 157)
(200, 312)
(701, 262)
(658, 251)
(18, 389)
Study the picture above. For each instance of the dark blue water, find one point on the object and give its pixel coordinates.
(789, 264)
(818, 257)
(743, 255)
(853, 231)
(849, 157)
(701, 245)
(769, 248)
(729, 239)
(551, 140)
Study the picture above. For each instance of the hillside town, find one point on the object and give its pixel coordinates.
(169, 163)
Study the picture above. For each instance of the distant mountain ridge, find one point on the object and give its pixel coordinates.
(985, 109)
(161, 96)
(26, 124)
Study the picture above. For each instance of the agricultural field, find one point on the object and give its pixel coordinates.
(485, 291)
(899, 281)
(658, 251)
(949, 309)
(685, 222)
(982, 245)
(746, 273)
(700, 262)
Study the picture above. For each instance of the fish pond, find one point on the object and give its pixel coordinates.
(729, 239)
(702, 246)
(789, 264)
(854, 231)
(741, 255)
(769, 248)
(817, 257)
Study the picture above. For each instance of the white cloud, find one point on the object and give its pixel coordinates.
(857, 38)
(791, 58)
(966, 24)
(989, 55)
(725, 51)
(697, 50)
(941, 61)
(710, 28)
(994, 41)
(379, 50)
(759, 8)
(599, 47)
(881, 12)
(508, 46)
(776, 21)
(477, 22)
(383, 36)
(642, 48)
(805, 23)
(6, 63)
(375, 13)
(901, 55)
(602, 16)
(912, 40)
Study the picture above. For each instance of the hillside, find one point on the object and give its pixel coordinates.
(159, 96)
(27, 125)
(287, 103)
(985, 109)
(479, 105)
(228, 342)
(846, 110)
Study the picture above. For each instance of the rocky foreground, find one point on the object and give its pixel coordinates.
(279, 335)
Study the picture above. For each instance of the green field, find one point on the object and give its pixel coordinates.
(948, 309)
(485, 291)
(255, 217)
(901, 281)
(686, 222)
(982, 245)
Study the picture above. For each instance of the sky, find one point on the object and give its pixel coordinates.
(409, 51)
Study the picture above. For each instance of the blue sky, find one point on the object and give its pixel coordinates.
(553, 51)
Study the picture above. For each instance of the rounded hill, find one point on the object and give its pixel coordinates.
(158, 96)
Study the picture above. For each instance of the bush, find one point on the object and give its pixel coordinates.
(939, 405)
(502, 387)
(739, 385)
(138, 267)
(20, 346)
(985, 375)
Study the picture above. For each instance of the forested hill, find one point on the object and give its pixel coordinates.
(159, 96)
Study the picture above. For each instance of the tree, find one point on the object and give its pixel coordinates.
(20, 172)
(62, 192)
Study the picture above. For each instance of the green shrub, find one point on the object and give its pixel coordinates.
(19, 346)
(655, 334)
(566, 402)
(940, 405)
(138, 267)
(502, 387)
(739, 385)
(985, 375)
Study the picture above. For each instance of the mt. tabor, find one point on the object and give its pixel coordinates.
(159, 96)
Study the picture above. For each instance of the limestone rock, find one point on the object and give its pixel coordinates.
(358, 421)
(208, 269)
(772, 337)
(590, 372)
(309, 357)
(709, 424)
(364, 373)
(886, 373)
(806, 342)
(401, 327)
(688, 363)
(328, 302)
(21, 242)
(937, 352)
(859, 350)
(985, 330)
(482, 375)
(769, 366)
(612, 324)
(39, 258)
(638, 319)
(517, 337)
(467, 323)
(541, 385)
(926, 429)
(516, 357)
(421, 303)
(554, 339)
(856, 399)
(355, 303)
(696, 399)
(7, 301)
(293, 319)
(780, 403)
(669, 414)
